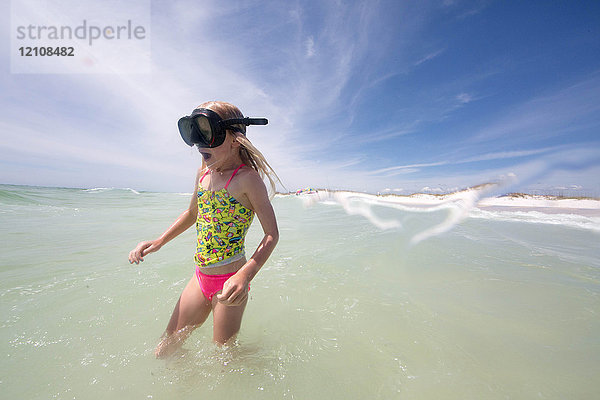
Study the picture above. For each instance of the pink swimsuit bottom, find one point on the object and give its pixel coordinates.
(212, 284)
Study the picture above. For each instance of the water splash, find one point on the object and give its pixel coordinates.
(354, 204)
(458, 205)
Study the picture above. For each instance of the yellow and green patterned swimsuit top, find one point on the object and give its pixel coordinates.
(222, 225)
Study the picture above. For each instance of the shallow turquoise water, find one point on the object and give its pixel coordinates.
(502, 306)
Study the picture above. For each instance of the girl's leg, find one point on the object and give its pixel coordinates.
(191, 311)
(226, 321)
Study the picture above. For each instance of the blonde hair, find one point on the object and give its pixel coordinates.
(249, 154)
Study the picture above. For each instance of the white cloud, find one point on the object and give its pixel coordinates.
(547, 116)
(389, 190)
(507, 154)
(409, 167)
(464, 98)
(306, 75)
(428, 189)
(310, 47)
(429, 57)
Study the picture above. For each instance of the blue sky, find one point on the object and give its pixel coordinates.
(395, 97)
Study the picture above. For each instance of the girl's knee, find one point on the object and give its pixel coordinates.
(171, 341)
(224, 340)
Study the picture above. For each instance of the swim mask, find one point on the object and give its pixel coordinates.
(205, 128)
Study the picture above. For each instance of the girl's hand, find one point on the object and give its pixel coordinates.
(143, 248)
(235, 291)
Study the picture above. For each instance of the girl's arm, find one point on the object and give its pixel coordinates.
(181, 224)
(235, 289)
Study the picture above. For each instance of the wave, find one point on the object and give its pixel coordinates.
(102, 189)
(537, 217)
(25, 196)
(8, 196)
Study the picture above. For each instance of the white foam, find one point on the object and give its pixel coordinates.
(537, 217)
(103, 189)
(527, 201)
(355, 204)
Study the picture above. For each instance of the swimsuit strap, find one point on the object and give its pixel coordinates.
(232, 175)
(207, 171)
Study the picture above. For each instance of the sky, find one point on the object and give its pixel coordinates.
(374, 96)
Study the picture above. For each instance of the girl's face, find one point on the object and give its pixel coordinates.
(220, 156)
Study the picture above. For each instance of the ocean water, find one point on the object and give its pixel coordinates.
(504, 305)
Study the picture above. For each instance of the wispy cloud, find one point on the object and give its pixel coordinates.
(310, 47)
(408, 168)
(337, 81)
(547, 116)
(464, 98)
(143, 108)
(429, 57)
(502, 155)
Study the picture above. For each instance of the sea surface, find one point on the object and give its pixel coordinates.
(505, 305)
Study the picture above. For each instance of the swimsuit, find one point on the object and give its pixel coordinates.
(221, 226)
(212, 284)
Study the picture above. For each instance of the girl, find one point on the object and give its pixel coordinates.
(228, 191)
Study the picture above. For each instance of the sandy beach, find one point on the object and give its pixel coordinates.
(544, 204)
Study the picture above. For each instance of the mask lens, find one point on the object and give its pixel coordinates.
(186, 131)
(205, 129)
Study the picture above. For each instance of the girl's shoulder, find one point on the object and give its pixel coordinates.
(247, 171)
(248, 178)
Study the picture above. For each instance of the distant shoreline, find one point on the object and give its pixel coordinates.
(505, 200)
(442, 196)
(445, 195)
